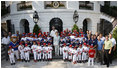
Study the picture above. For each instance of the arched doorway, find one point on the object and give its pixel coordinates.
(86, 25)
(57, 22)
(24, 26)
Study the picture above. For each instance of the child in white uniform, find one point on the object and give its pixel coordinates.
(34, 48)
(79, 50)
(21, 50)
(49, 52)
(61, 46)
(27, 53)
(39, 49)
(74, 56)
(65, 52)
(45, 52)
(70, 53)
(84, 52)
(11, 55)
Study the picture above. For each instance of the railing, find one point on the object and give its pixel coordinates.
(24, 6)
(86, 5)
(2, 53)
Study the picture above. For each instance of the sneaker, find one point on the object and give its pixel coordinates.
(11, 63)
(107, 66)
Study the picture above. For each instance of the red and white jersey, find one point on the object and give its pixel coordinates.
(45, 49)
(50, 49)
(21, 48)
(91, 53)
(79, 50)
(65, 49)
(75, 52)
(11, 52)
(39, 49)
(34, 48)
(70, 50)
(85, 49)
(27, 49)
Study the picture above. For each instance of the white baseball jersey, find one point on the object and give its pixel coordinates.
(34, 48)
(21, 48)
(30, 38)
(39, 49)
(11, 55)
(40, 38)
(74, 55)
(70, 50)
(45, 49)
(27, 50)
(11, 52)
(23, 38)
(48, 38)
(65, 49)
(50, 49)
(84, 48)
(79, 50)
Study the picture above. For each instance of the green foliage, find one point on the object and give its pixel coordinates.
(75, 27)
(36, 29)
(115, 36)
(115, 33)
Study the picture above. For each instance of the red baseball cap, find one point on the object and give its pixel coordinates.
(70, 45)
(84, 43)
(26, 44)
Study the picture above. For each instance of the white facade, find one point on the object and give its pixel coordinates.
(45, 15)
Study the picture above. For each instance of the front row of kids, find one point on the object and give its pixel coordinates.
(38, 51)
(79, 54)
(82, 53)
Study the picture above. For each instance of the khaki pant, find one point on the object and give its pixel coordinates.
(100, 56)
(56, 50)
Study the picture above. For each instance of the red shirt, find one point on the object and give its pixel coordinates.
(91, 53)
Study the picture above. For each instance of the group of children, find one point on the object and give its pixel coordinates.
(76, 50)
(73, 48)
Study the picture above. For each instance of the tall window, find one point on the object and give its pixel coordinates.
(86, 5)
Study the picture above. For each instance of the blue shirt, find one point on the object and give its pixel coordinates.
(13, 45)
(100, 44)
(95, 42)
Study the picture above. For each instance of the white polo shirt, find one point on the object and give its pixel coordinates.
(5, 40)
(113, 41)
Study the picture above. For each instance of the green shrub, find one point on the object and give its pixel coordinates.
(75, 27)
(115, 33)
(115, 36)
(36, 29)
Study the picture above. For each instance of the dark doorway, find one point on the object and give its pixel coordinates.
(57, 22)
(85, 26)
(26, 26)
